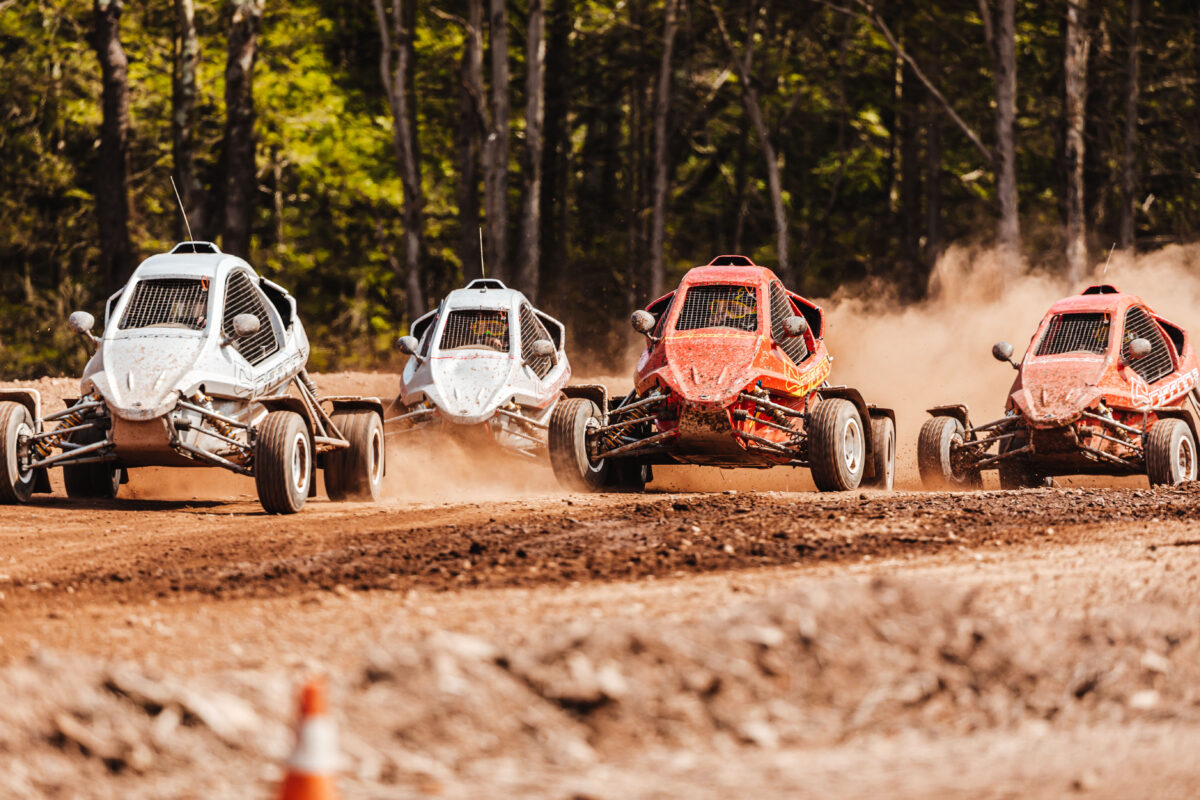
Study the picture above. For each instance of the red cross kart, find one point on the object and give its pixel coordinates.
(734, 374)
(1107, 387)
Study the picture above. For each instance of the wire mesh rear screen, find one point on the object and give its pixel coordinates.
(1138, 325)
(242, 298)
(487, 330)
(1075, 333)
(719, 307)
(532, 329)
(781, 309)
(167, 303)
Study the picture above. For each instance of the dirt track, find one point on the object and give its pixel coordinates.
(994, 644)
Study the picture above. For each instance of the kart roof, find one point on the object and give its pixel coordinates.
(484, 293)
(728, 269)
(189, 259)
(1102, 298)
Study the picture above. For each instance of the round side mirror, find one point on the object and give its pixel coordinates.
(542, 348)
(407, 345)
(794, 326)
(245, 325)
(1139, 348)
(642, 321)
(81, 322)
(1002, 351)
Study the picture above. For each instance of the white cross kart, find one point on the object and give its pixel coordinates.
(483, 364)
(202, 363)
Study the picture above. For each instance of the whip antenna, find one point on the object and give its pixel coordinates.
(182, 210)
(1110, 252)
(482, 267)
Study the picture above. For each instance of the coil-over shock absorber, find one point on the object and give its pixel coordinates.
(43, 447)
(205, 402)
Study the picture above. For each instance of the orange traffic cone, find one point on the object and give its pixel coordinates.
(312, 765)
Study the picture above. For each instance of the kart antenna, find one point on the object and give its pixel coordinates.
(482, 266)
(1110, 252)
(182, 210)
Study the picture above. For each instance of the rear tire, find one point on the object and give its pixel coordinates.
(1017, 474)
(836, 445)
(283, 462)
(934, 460)
(629, 475)
(16, 486)
(100, 480)
(356, 472)
(883, 434)
(569, 458)
(1170, 453)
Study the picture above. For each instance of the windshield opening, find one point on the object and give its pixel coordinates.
(719, 306)
(167, 303)
(1075, 333)
(487, 330)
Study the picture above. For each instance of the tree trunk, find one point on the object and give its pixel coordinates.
(662, 106)
(241, 176)
(1075, 73)
(741, 63)
(556, 156)
(529, 260)
(910, 177)
(1129, 153)
(396, 71)
(933, 186)
(112, 188)
(471, 127)
(183, 101)
(1004, 56)
(495, 149)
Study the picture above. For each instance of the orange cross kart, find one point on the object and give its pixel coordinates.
(734, 375)
(1107, 387)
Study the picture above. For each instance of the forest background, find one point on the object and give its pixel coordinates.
(364, 153)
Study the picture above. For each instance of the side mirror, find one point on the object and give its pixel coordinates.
(794, 326)
(245, 325)
(82, 322)
(642, 322)
(1003, 351)
(408, 345)
(543, 348)
(1139, 348)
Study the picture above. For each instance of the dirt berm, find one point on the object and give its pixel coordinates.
(593, 710)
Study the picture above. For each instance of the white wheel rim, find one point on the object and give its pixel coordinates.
(852, 445)
(891, 453)
(23, 475)
(300, 462)
(1185, 459)
(376, 453)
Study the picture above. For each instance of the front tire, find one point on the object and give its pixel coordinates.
(16, 486)
(883, 433)
(99, 480)
(569, 457)
(283, 462)
(1170, 453)
(356, 472)
(935, 460)
(836, 445)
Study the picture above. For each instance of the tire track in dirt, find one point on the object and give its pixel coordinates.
(549, 541)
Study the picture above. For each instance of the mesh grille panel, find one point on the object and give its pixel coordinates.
(487, 330)
(167, 302)
(781, 309)
(719, 307)
(532, 329)
(1075, 333)
(241, 298)
(1156, 365)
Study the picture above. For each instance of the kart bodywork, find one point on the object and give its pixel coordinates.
(1107, 387)
(485, 365)
(734, 374)
(201, 363)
